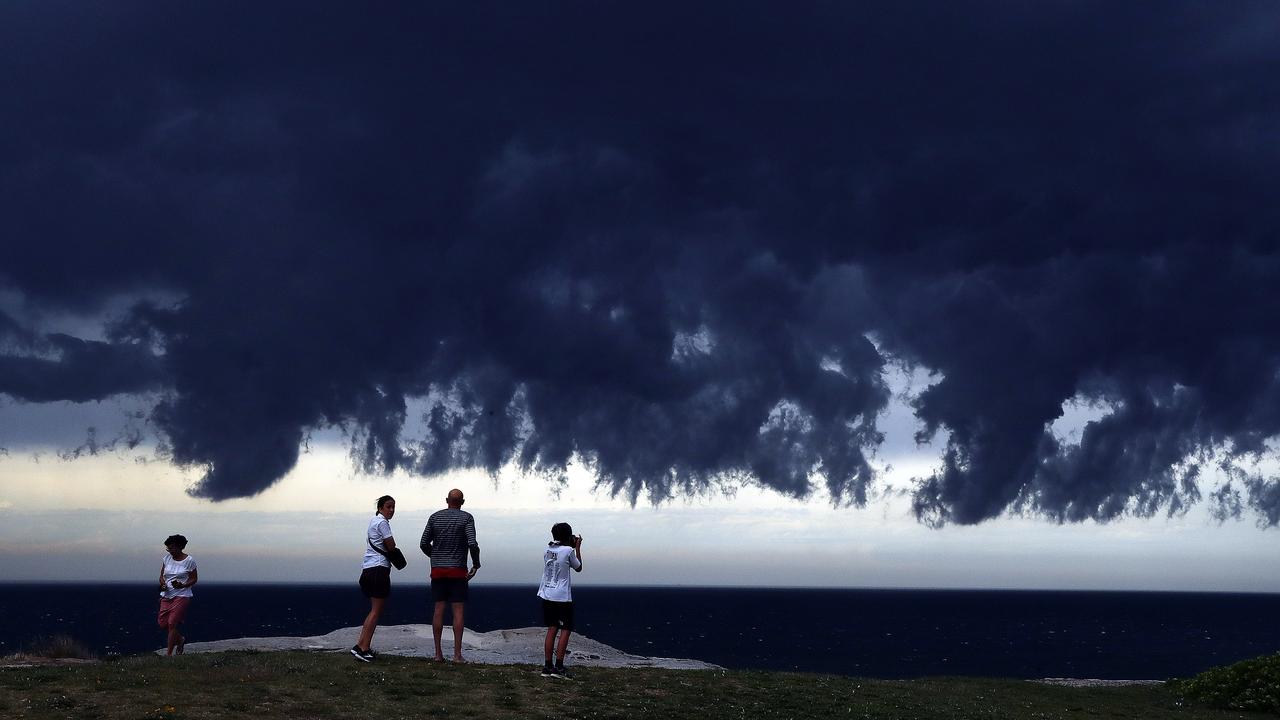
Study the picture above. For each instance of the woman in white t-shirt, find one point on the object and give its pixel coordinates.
(375, 573)
(562, 554)
(177, 577)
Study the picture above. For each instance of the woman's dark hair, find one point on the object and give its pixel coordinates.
(178, 540)
(562, 533)
(383, 501)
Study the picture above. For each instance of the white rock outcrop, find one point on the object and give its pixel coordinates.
(522, 646)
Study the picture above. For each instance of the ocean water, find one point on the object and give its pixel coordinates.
(872, 633)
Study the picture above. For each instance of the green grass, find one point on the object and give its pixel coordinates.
(298, 686)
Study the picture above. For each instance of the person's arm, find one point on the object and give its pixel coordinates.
(162, 587)
(472, 545)
(577, 550)
(425, 543)
(192, 577)
(385, 537)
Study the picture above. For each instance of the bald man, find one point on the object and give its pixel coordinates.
(449, 535)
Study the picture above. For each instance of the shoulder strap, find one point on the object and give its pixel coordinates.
(383, 553)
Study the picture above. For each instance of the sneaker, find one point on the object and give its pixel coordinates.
(548, 670)
(561, 672)
(361, 655)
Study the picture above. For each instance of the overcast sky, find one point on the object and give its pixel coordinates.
(959, 295)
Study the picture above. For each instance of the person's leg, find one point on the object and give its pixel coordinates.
(549, 644)
(437, 627)
(370, 623)
(562, 646)
(177, 618)
(172, 612)
(459, 610)
(375, 583)
(173, 638)
(162, 617)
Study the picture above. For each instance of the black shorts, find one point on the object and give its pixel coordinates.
(452, 590)
(376, 582)
(557, 615)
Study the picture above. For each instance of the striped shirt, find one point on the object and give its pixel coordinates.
(449, 534)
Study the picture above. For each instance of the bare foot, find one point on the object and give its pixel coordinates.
(459, 659)
(438, 658)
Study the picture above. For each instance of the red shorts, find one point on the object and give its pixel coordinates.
(172, 611)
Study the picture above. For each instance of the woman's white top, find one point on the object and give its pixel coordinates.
(558, 562)
(177, 570)
(378, 532)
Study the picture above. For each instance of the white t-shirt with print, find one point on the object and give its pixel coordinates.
(557, 563)
(177, 570)
(378, 532)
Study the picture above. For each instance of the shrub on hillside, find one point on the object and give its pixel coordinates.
(1247, 685)
(59, 646)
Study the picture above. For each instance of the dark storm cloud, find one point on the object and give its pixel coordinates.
(51, 367)
(663, 240)
(80, 370)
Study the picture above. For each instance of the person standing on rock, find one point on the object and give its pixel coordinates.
(177, 576)
(375, 573)
(449, 536)
(562, 554)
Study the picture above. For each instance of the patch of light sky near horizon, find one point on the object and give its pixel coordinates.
(326, 480)
(711, 540)
(96, 515)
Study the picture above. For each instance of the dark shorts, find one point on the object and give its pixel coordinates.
(453, 590)
(376, 582)
(557, 615)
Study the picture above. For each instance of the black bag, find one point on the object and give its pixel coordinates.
(395, 556)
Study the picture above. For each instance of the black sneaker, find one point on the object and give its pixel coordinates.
(561, 672)
(361, 655)
(548, 670)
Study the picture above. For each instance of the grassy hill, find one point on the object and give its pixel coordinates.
(296, 686)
